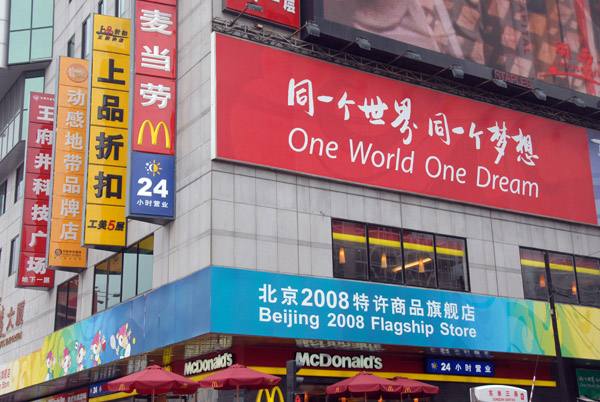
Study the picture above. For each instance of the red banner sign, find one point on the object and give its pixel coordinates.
(295, 113)
(34, 232)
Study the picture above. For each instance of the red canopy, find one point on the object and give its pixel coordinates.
(415, 389)
(153, 380)
(239, 376)
(367, 385)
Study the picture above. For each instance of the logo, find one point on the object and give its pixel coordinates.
(58, 252)
(270, 395)
(77, 72)
(154, 133)
(122, 387)
(214, 384)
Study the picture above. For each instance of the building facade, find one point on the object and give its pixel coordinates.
(395, 187)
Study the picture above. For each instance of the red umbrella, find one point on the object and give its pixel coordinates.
(367, 385)
(153, 380)
(415, 389)
(238, 376)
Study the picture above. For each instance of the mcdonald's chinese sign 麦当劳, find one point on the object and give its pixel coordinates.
(105, 222)
(151, 165)
(66, 205)
(32, 270)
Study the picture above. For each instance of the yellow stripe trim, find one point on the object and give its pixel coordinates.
(450, 251)
(560, 267)
(347, 237)
(419, 247)
(588, 271)
(382, 242)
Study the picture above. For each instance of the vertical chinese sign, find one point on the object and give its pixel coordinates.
(105, 223)
(64, 244)
(151, 166)
(38, 167)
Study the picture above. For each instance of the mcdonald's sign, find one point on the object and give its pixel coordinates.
(214, 384)
(157, 131)
(270, 395)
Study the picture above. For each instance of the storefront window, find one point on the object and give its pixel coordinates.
(350, 258)
(533, 272)
(562, 274)
(392, 255)
(124, 275)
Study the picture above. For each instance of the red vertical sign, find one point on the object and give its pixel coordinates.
(38, 167)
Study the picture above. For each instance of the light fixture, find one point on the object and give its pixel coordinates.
(542, 281)
(538, 93)
(312, 29)
(498, 82)
(342, 256)
(421, 265)
(384, 260)
(409, 54)
(457, 71)
(413, 264)
(577, 101)
(361, 42)
(574, 288)
(249, 6)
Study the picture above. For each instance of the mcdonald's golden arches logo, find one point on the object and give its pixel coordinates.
(214, 384)
(122, 387)
(154, 133)
(270, 395)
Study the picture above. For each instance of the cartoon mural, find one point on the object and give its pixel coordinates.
(121, 343)
(50, 362)
(65, 363)
(98, 346)
(80, 356)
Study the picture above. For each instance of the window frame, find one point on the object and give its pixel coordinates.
(3, 194)
(86, 38)
(19, 183)
(65, 321)
(344, 239)
(15, 250)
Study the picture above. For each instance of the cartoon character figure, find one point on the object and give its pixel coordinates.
(66, 362)
(50, 362)
(122, 342)
(98, 345)
(79, 359)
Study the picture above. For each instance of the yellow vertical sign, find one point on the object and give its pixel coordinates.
(66, 222)
(105, 223)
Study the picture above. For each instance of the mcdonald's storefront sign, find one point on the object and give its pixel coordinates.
(270, 395)
(155, 137)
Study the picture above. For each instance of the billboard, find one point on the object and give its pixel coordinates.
(303, 115)
(106, 171)
(66, 206)
(32, 270)
(284, 12)
(556, 42)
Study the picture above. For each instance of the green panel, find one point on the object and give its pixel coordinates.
(18, 47)
(41, 44)
(43, 13)
(20, 14)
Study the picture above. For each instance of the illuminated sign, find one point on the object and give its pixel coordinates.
(460, 367)
(104, 218)
(66, 224)
(322, 119)
(32, 271)
(270, 395)
(151, 172)
(495, 393)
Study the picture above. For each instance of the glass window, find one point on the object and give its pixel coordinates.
(71, 47)
(533, 273)
(451, 263)
(121, 8)
(562, 276)
(19, 185)
(66, 303)
(419, 259)
(588, 280)
(15, 247)
(2, 197)
(124, 275)
(86, 38)
(385, 250)
(350, 257)
(43, 13)
(18, 47)
(41, 44)
(101, 7)
(20, 14)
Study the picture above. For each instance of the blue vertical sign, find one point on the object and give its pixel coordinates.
(152, 185)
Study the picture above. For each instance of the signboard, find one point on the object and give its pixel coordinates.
(284, 12)
(151, 166)
(288, 306)
(548, 42)
(66, 206)
(460, 367)
(498, 393)
(32, 270)
(105, 223)
(294, 113)
(588, 383)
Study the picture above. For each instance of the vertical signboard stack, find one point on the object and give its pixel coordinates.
(105, 223)
(64, 245)
(151, 167)
(38, 164)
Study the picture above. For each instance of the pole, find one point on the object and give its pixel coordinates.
(562, 380)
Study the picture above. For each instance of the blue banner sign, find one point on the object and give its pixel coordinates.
(290, 306)
(152, 186)
(460, 367)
